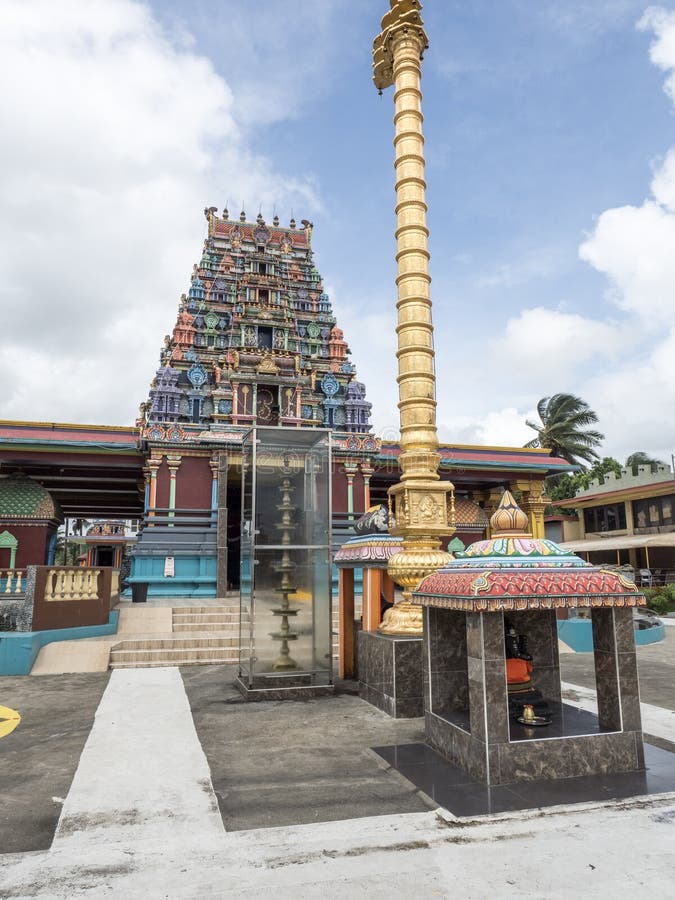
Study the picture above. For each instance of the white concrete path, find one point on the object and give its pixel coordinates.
(655, 719)
(141, 821)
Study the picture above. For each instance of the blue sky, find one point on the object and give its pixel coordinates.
(541, 118)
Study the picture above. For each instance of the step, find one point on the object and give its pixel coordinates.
(195, 661)
(229, 608)
(221, 617)
(173, 643)
(176, 656)
(225, 627)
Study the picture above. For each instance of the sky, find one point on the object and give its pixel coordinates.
(550, 142)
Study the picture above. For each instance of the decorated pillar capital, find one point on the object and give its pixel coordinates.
(532, 503)
(173, 462)
(350, 468)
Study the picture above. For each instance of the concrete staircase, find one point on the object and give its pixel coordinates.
(201, 636)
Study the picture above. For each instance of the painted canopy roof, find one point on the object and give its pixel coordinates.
(371, 550)
(514, 571)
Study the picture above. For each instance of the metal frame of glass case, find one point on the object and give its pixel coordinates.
(286, 562)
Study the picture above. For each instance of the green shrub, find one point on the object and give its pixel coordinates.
(661, 599)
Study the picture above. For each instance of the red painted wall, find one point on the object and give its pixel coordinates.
(359, 501)
(339, 489)
(33, 543)
(162, 499)
(193, 483)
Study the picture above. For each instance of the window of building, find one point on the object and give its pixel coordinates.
(605, 518)
(654, 512)
(265, 337)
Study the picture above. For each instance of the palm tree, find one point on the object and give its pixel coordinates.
(564, 429)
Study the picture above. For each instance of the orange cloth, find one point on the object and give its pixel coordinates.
(517, 671)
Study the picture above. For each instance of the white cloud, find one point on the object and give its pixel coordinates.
(499, 428)
(565, 341)
(114, 139)
(662, 51)
(634, 246)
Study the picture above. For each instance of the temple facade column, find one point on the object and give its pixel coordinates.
(346, 623)
(221, 460)
(367, 472)
(173, 462)
(146, 491)
(351, 469)
(213, 465)
(153, 466)
(372, 598)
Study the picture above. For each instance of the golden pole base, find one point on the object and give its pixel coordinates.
(403, 618)
(419, 558)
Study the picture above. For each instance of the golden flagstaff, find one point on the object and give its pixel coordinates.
(421, 506)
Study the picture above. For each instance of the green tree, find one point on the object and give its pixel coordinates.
(566, 485)
(564, 429)
(640, 458)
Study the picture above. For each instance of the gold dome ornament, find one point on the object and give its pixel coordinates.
(508, 520)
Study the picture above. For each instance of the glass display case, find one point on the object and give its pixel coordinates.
(285, 594)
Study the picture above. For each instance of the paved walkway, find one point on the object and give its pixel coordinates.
(141, 820)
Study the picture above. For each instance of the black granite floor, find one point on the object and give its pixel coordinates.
(457, 792)
(566, 721)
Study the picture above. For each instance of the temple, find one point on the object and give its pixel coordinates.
(255, 343)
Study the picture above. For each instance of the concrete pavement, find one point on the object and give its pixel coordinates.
(141, 818)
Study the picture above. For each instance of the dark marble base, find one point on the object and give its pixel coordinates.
(452, 788)
(572, 746)
(297, 691)
(390, 673)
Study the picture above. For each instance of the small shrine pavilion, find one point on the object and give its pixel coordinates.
(492, 693)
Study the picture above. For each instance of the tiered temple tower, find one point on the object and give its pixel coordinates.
(255, 339)
(255, 343)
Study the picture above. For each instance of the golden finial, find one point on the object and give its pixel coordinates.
(509, 520)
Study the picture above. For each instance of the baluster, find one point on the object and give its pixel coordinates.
(78, 584)
(61, 585)
(17, 589)
(50, 584)
(8, 586)
(93, 584)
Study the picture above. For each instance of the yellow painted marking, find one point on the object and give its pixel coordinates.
(9, 719)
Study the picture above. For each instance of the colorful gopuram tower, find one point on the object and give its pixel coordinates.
(255, 343)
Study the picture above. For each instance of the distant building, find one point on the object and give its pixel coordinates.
(626, 519)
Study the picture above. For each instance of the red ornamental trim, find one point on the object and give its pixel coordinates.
(511, 604)
(524, 582)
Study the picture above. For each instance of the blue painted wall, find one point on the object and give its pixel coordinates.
(19, 649)
(195, 576)
(578, 634)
